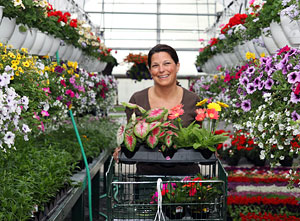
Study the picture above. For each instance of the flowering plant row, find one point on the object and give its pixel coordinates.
(36, 94)
(264, 101)
(41, 15)
(139, 70)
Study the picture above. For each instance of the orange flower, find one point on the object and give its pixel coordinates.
(176, 112)
(212, 114)
(200, 114)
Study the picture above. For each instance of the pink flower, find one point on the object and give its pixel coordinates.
(42, 127)
(70, 93)
(77, 95)
(221, 25)
(200, 114)
(219, 67)
(45, 113)
(201, 49)
(62, 82)
(176, 111)
(201, 39)
(47, 90)
(59, 98)
(36, 116)
(72, 80)
(251, 2)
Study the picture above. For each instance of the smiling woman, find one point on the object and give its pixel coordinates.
(163, 65)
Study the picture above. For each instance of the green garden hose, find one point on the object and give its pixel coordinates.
(84, 157)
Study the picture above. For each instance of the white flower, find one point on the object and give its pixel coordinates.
(281, 126)
(287, 113)
(296, 132)
(281, 158)
(9, 138)
(266, 95)
(262, 155)
(285, 98)
(25, 128)
(261, 145)
(272, 156)
(260, 127)
(280, 147)
(288, 128)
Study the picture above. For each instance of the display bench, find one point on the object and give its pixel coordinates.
(74, 199)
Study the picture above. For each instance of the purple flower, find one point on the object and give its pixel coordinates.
(83, 44)
(238, 104)
(59, 69)
(239, 90)
(295, 116)
(295, 98)
(246, 105)
(269, 83)
(244, 81)
(263, 60)
(256, 81)
(291, 52)
(250, 70)
(294, 77)
(250, 88)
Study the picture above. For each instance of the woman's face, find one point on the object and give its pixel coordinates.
(163, 69)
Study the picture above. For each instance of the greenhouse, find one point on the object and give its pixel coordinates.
(149, 110)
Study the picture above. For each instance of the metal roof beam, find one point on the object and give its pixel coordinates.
(150, 13)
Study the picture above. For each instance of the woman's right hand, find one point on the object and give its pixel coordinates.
(116, 154)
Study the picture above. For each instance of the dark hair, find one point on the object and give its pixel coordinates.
(163, 48)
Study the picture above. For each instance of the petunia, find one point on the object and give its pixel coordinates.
(250, 88)
(256, 81)
(269, 83)
(244, 81)
(25, 128)
(45, 113)
(295, 116)
(295, 98)
(294, 77)
(9, 138)
(246, 105)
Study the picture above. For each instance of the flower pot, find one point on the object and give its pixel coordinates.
(47, 45)
(257, 161)
(68, 54)
(174, 212)
(235, 60)
(54, 47)
(101, 66)
(62, 50)
(227, 59)
(237, 53)
(7, 27)
(1, 12)
(233, 160)
(278, 35)
(74, 54)
(242, 50)
(261, 49)
(206, 153)
(198, 212)
(291, 30)
(270, 44)
(251, 48)
(17, 38)
(129, 154)
(287, 161)
(38, 43)
(30, 38)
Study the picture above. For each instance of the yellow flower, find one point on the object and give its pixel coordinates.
(200, 103)
(77, 75)
(14, 67)
(12, 77)
(25, 64)
(1, 45)
(11, 55)
(222, 77)
(9, 46)
(262, 55)
(222, 104)
(250, 55)
(14, 62)
(24, 50)
(19, 56)
(215, 77)
(1, 66)
(17, 73)
(20, 69)
(48, 82)
(215, 106)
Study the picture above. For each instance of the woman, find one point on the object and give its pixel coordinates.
(163, 65)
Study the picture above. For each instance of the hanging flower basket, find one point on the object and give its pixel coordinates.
(138, 70)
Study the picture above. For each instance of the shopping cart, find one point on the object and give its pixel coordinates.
(132, 196)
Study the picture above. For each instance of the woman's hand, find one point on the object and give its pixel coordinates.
(116, 154)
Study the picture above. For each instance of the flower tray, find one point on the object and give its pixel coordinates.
(182, 155)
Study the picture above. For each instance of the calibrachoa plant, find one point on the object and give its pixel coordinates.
(139, 70)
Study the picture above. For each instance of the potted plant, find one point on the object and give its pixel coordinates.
(138, 71)
(152, 128)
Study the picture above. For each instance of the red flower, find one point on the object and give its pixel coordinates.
(73, 23)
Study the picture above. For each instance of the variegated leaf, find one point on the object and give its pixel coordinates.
(173, 126)
(154, 125)
(163, 148)
(166, 124)
(152, 140)
(156, 131)
(120, 135)
(141, 129)
(129, 105)
(130, 141)
(168, 140)
(155, 114)
(161, 134)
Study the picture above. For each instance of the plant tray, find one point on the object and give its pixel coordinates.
(182, 155)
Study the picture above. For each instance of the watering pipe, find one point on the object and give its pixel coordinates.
(83, 155)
